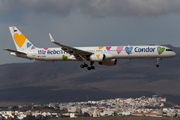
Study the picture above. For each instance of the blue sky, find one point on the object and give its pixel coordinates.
(89, 23)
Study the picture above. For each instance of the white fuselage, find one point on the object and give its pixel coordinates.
(111, 52)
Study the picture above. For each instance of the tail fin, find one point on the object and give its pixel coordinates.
(21, 42)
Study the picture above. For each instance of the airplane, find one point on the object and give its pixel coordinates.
(104, 55)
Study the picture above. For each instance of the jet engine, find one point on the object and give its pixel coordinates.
(110, 62)
(97, 57)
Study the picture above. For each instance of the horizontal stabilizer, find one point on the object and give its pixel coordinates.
(15, 51)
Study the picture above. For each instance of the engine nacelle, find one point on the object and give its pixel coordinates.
(110, 62)
(97, 57)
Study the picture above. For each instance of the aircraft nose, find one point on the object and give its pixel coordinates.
(174, 54)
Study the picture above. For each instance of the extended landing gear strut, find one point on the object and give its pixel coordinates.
(89, 68)
(158, 61)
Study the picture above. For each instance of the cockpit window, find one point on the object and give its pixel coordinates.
(169, 50)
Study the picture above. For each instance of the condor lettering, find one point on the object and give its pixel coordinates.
(137, 49)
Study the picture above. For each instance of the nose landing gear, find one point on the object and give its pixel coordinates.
(158, 61)
(157, 65)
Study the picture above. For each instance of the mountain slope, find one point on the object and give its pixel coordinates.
(66, 81)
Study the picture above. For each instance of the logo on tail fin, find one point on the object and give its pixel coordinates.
(29, 44)
(19, 39)
(32, 47)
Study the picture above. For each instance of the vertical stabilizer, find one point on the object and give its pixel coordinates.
(21, 42)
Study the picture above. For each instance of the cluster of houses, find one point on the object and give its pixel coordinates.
(143, 106)
(30, 114)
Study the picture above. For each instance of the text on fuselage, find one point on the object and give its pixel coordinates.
(148, 49)
(51, 52)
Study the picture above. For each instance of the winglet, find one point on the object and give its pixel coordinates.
(51, 38)
(53, 41)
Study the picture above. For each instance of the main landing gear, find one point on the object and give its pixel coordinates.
(83, 65)
(158, 61)
(86, 65)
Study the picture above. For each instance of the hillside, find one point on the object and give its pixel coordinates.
(66, 81)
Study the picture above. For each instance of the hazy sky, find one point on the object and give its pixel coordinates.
(89, 23)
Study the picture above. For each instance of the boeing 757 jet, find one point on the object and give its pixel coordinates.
(104, 55)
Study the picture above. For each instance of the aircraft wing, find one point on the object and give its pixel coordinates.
(15, 51)
(79, 54)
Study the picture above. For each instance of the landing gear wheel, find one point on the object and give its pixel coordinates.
(157, 65)
(85, 65)
(82, 66)
(89, 68)
(92, 67)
